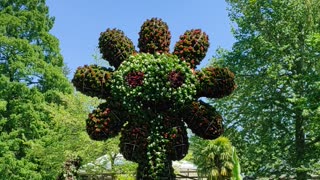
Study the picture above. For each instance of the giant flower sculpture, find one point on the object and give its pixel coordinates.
(151, 95)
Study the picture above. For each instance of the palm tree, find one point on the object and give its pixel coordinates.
(215, 159)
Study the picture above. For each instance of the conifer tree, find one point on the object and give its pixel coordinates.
(32, 85)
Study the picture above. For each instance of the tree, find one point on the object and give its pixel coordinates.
(215, 159)
(275, 116)
(31, 67)
(39, 111)
(29, 53)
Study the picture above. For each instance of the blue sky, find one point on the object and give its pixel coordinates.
(78, 23)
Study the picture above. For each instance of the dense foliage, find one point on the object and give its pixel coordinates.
(275, 112)
(145, 80)
(152, 94)
(39, 111)
(31, 71)
(215, 159)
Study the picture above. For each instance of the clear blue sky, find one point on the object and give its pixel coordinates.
(78, 23)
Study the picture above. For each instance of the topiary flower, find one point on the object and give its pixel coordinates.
(215, 82)
(151, 95)
(154, 37)
(106, 121)
(93, 81)
(192, 47)
(115, 47)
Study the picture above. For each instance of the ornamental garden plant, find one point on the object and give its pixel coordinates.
(152, 95)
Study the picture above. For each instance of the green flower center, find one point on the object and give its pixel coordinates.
(153, 81)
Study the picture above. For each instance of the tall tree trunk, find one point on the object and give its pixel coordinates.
(299, 126)
(300, 147)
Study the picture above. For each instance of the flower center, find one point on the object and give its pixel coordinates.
(135, 79)
(176, 79)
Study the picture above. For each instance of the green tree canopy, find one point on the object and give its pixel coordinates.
(29, 53)
(39, 111)
(275, 112)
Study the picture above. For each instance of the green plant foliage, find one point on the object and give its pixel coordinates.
(31, 65)
(214, 159)
(275, 117)
(126, 171)
(39, 111)
(69, 137)
(153, 91)
(29, 54)
(236, 171)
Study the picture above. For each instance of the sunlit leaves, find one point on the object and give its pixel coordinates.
(214, 159)
(32, 86)
(276, 62)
